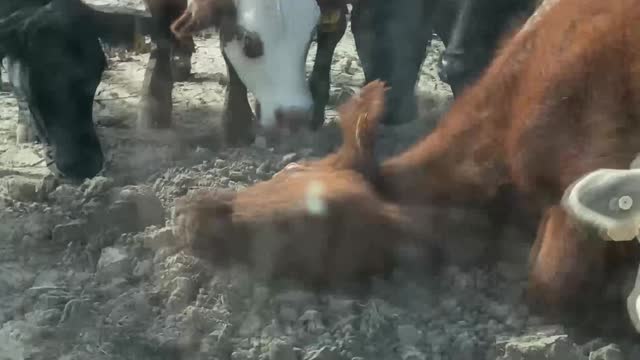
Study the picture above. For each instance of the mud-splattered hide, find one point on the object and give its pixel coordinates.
(55, 64)
(267, 42)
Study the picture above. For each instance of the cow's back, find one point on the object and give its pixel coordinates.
(575, 107)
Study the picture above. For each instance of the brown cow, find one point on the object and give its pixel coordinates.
(551, 107)
(324, 224)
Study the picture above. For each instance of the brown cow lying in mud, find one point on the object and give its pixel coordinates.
(559, 100)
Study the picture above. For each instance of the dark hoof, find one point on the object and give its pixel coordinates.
(238, 129)
(152, 115)
(181, 68)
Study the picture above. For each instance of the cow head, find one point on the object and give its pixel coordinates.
(56, 63)
(267, 42)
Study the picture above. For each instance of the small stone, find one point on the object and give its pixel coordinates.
(65, 194)
(97, 185)
(281, 350)
(288, 314)
(71, 232)
(312, 321)
(289, 158)
(324, 353)
(143, 268)
(555, 347)
(136, 209)
(251, 325)
(219, 163)
(295, 297)
(263, 170)
(160, 238)
(341, 306)
(465, 347)
(609, 352)
(114, 262)
(411, 353)
(20, 189)
(237, 175)
(408, 334)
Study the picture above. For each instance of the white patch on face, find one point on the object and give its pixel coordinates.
(277, 78)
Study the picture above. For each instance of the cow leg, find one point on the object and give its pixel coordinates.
(25, 133)
(182, 52)
(563, 260)
(237, 119)
(319, 83)
(156, 103)
(391, 40)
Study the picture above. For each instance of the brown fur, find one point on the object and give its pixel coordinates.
(277, 228)
(560, 99)
(273, 227)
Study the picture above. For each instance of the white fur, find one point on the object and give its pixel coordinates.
(277, 79)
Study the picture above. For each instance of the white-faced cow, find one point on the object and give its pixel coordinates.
(55, 62)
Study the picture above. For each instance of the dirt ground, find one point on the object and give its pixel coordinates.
(84, 275)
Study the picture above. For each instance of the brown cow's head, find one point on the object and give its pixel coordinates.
(267, 42)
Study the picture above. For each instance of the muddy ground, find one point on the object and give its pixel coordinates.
(84, 275)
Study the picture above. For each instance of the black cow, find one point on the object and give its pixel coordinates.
(392, 37)
(475, 35)
(55, 63)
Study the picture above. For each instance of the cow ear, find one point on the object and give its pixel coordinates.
(607, 200)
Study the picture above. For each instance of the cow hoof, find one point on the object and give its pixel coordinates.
(238, 128)
(152, 115)
(181, 67)
(25, 134)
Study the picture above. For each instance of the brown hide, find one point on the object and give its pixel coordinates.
(559, 100)
(321, 223)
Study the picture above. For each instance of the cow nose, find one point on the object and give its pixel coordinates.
(76, 162)
(292, 119)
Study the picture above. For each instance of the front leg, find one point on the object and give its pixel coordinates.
(156, 103)
(237, 118)
(329, 33)
(25, 133)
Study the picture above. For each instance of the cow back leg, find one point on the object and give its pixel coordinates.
(328, 36)
(566, 267)
(237, 119)
(156, 103)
